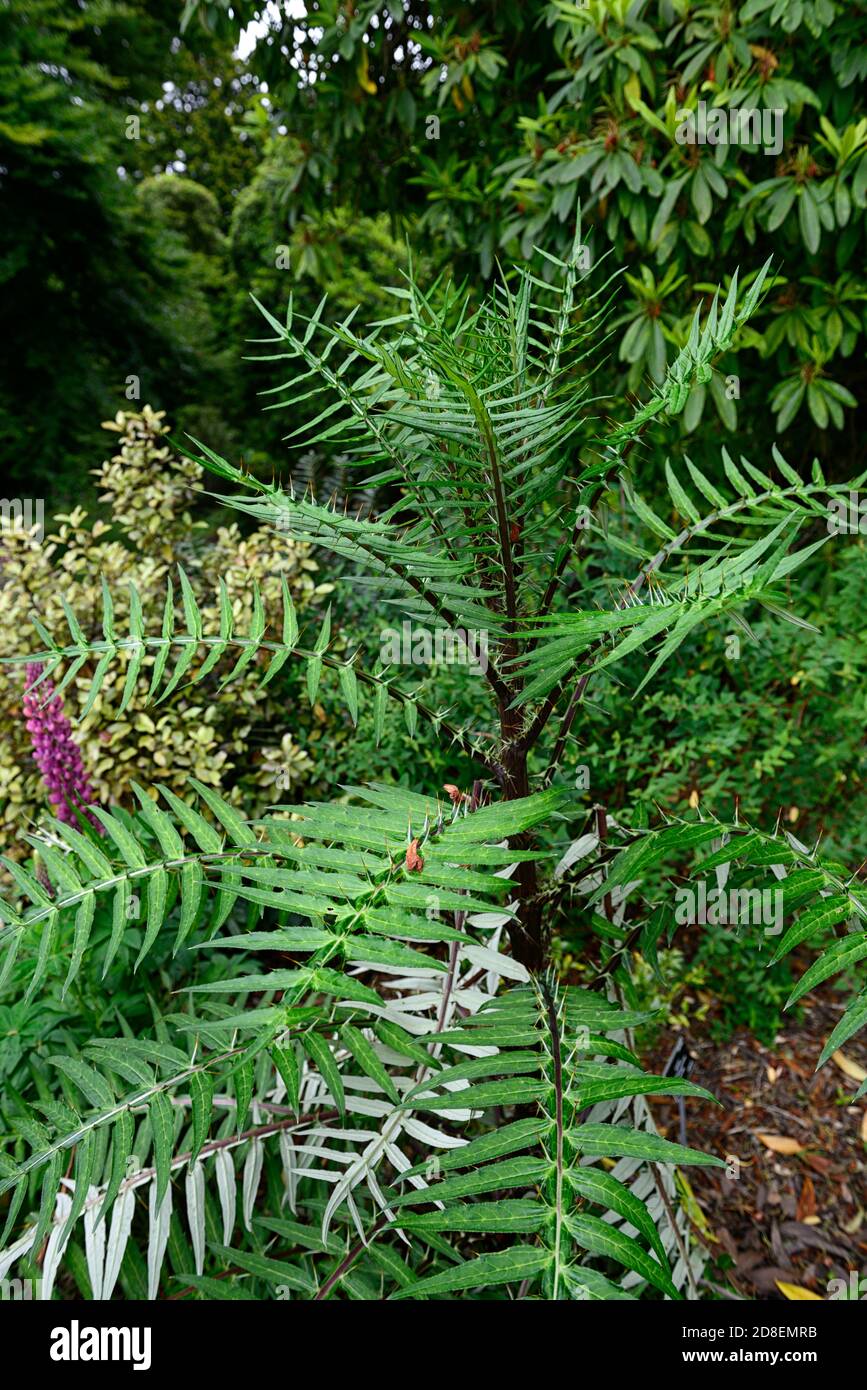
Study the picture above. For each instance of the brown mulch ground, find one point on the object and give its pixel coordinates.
(794, 1217)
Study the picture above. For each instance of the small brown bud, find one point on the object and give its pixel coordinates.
(413, 862)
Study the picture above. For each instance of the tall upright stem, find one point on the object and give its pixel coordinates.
(525, 934)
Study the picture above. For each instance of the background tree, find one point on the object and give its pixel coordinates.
(92, 290)
(538, 109)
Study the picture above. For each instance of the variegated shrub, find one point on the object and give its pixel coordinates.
(150, 491)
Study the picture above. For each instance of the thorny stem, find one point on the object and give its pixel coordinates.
(525, 934)
(349, 1259)
(457, 736)
(602, 832)
(557, 1059)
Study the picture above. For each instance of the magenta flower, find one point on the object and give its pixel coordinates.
(57, 757)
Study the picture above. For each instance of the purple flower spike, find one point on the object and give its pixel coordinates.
(57, 757)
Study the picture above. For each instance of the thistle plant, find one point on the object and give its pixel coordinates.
(429, 1131)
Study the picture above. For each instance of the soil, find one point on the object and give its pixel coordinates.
(796, 1217)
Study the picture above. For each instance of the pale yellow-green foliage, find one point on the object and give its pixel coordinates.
(222, 738)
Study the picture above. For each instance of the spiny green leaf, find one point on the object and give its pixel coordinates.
(595, 1185)
(161, 1113)
(201, 1106)
(512, 1172)
(322, 1057)
(520, 1134)
(600, 1238)
(367, 1059)
(518, 1216)
(841, 956)
(852, 1021)
(517, 1263)
(615, 1141)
